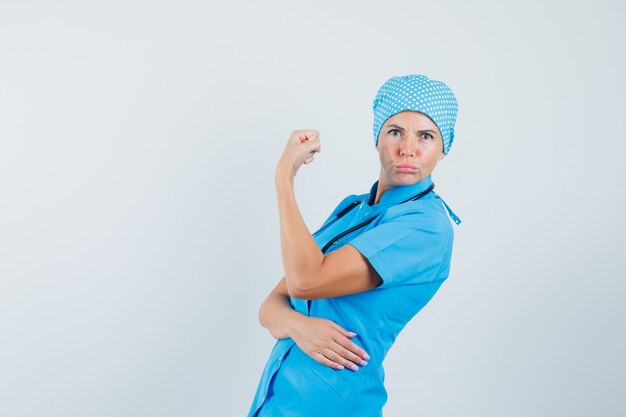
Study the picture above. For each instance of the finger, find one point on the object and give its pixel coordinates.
(349, 355)
(352, 347)
(342, 330)
(313, 148)
(337, 358)
(325, 361)
(303, 135)
(311, 134)
(309, 159)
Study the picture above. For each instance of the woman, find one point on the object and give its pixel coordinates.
(351, 287)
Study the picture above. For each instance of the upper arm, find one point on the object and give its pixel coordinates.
(412, 248)
(344, 271)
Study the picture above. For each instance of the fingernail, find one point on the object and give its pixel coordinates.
(363, 363)
(340, 367)
(366, 356)
(354, 367)
(352, 333)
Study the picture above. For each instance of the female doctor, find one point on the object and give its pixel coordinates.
(352, 286)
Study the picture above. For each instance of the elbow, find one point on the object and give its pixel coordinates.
(305, 286)
(262, 318)
(299, 294)
(302, 292)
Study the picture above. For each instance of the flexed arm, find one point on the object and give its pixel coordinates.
(309, 273)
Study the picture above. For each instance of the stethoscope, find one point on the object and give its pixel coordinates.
(346, 210)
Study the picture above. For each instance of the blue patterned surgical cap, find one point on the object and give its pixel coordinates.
(418, 93)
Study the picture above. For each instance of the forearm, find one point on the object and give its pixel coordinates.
(313, 335)
(300, 254)
(277, 315)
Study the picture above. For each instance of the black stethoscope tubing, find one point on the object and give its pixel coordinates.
(346, 210)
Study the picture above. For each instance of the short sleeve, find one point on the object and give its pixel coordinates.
(410, 248)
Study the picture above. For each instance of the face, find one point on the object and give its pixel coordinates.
(409, 147)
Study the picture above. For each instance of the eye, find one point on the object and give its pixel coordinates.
(427, 136)
(393, 130)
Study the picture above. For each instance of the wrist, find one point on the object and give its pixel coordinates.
(284, 173)
(284, 181)
(293, 323)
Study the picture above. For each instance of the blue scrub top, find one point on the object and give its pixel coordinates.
(410, 246)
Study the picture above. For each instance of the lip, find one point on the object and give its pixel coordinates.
(406, 168)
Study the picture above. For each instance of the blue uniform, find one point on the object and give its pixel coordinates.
(410, 246)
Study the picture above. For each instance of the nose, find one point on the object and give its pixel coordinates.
(408, 148)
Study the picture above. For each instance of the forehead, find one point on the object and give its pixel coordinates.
(410, 117)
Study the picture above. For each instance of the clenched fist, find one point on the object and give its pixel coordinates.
(300, 149)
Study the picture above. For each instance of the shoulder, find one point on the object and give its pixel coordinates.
(421, 225)
(427, 213)
(411, 243)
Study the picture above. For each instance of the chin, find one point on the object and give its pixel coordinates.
(409, 179)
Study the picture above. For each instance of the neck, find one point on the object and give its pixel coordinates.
(382, 187)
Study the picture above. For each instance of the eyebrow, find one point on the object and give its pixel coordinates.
(419, 131)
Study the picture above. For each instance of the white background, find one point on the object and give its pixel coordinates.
(138, 227)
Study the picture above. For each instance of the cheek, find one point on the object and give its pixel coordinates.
(383, 153)
(433, 157)
(435, 151)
